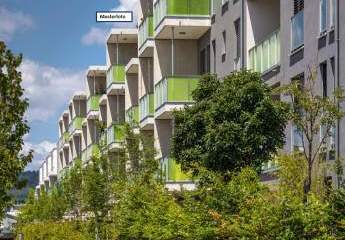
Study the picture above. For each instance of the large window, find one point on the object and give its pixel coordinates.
(224, 46)
(332, 13)
(323, 73)
(323, 16)
(297, 25)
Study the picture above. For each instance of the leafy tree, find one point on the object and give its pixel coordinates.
(71, 187)
(314, 116)
(12, 125)
(234, 123)
(96, 193)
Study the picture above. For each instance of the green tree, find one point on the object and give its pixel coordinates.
(234, 123)
(71, 186)
(314, 116)
(96, 193)
(12, 124)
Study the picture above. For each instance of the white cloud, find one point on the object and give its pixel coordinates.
(94, 36)
(48, 88)
(12, 22)
(128, 5)
(97, 35)
(41, 150)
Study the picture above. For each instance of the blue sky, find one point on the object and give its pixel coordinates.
(59, 40)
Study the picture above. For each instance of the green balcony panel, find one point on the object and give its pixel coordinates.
(146, 106)
(132, 115)
(115, 133)
(76, 124)
(172, 171)
(66, 137)
(176, 89)
(266, 54)
(185, 8)
(145, 30)
(93, 103)
(116, 74)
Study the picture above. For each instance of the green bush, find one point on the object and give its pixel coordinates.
(54, 231)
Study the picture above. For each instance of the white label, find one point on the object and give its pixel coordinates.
(114, 16)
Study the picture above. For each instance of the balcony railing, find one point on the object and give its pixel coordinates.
(116, 75)
(76, 124)
(132, 114)
(91, 151)
(266, 54)
(175, 89)
(297, 30)
(171, 171)
(103, 139)
(115, 134)
(93, 103)
(180, 8)
(145, 30)
(64, 138)
(146, 106)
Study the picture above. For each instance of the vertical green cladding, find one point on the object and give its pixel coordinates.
(93, 103)
(188, 7)
(175, 89)
(116, 74)
(183, 8)
(76, 124)
(150, 26)
(151, 104)
(147, 106)
(132, 114)
(172, 172)
(146, 30)
(115, 133)
(180, 89)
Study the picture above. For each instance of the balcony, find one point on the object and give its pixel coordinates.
(93, 106)
(75, 126)
(191, 18)
(115, 136)
(173, 176)
(91, 151)
(146, 37)
(116, 80)
(147, 111)
(297, 31)
(63, 141)
(265, 56)
(103, 139)
(132, 115)
(172, 93)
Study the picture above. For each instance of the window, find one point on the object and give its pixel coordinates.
(332, 13)
(323, 16)
(237, 24)
(208, 57)
(202, 62)
(214, 55)
(297, 24)
(323, 73)
(332, 61)
(224, 46)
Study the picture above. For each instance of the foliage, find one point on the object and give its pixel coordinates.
(96, 193)
(48, 230)
(310, 113)
(12, 125)
(234, 123)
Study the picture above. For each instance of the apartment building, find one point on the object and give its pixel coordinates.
(152, 70)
